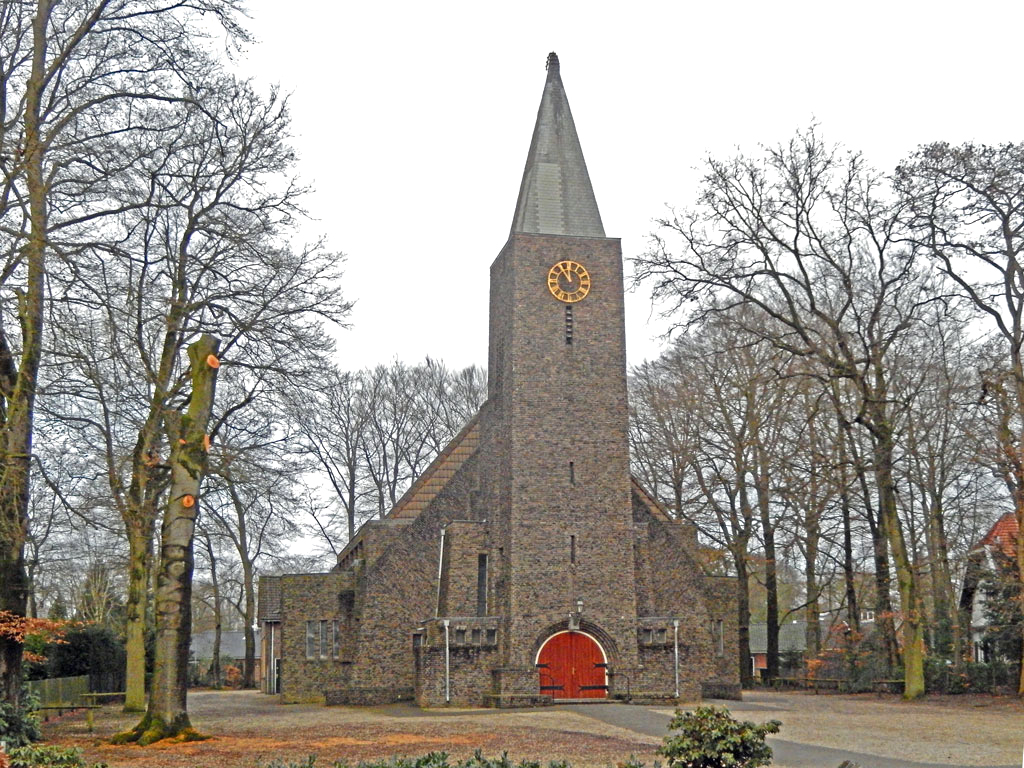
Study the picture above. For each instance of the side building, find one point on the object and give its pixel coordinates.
(525, 565)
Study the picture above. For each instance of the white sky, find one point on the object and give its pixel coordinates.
(413, 121)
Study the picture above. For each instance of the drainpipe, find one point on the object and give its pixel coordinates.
(440, 566)
(675, 636)
(447, 666)
(271, 665)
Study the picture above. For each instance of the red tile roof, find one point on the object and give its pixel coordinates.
(1004, 535)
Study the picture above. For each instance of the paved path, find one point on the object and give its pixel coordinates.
(788, 754)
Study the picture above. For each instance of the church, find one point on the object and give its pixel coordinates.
(526, 565)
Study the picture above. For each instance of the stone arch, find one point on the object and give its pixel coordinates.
(608, 645)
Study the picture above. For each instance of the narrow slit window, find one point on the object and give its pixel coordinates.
(481, 585)
(325, 642)
(311, 639)
(720, 637)
(572, 473)
(337, 639)
(568, 324)
(572, 549)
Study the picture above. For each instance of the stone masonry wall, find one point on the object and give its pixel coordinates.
(309, 597)
(473, 653)
(399, 592)
(558, 404)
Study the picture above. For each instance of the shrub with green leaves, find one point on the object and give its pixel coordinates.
(709, 737)
(49, 756)
(19, 725)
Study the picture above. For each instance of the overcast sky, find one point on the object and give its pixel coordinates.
(413, 120)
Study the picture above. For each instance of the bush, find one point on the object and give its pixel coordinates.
(19, 725)
(709, 737)
(49, 757)
(90, 650)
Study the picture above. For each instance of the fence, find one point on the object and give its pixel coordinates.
(59, 690)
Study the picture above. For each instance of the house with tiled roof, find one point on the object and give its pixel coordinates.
(996, 547)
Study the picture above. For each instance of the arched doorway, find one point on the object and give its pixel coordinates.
(572, 665)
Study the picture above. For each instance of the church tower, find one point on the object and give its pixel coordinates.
(526, 565)
(558, 410)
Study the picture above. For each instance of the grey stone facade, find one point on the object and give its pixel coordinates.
(529, 524)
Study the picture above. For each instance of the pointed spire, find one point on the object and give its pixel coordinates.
(556, 197)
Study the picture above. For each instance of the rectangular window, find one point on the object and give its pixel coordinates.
(492, 637)
(325, 643)
(475, 637)
(311, 638)
(647, 637)
(460, 637)
(481, 585)
(661, 636)
(337, 639)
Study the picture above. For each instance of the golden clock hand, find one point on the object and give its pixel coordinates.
(568, 274)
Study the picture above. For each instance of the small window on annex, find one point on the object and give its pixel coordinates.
(312, 636)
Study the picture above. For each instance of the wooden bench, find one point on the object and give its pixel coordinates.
(813, 683)
(887, 686)
(60, 709)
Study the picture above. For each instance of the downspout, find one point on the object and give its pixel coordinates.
(447, 666)
(269, 669)
(440, 568)
(675, 636)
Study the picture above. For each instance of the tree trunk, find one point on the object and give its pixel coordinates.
(140, 537)
(812, 611)
(249, 666)
(906, 578)
(884, 620)
(167, 714)
(743, 608)
(19, 387)
(771, 581)
(248, 585)
(849, 575)
(218, 619)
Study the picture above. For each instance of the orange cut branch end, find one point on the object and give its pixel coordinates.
(212, 361)
(188, 501)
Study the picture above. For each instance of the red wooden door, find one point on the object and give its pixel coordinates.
(572, 666)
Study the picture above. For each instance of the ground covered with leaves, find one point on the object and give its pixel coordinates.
(248, 729)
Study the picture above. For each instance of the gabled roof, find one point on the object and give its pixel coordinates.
(1003, 536)
(556, 197)
(436, 476)
(433, 479)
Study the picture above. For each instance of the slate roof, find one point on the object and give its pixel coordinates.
(792, 637)
(556, 197)
(268, 604)
(232, 644)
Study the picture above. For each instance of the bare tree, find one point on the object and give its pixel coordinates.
(810, 236)
(77, 78)
(967, 204)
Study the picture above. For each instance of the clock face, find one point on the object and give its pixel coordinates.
(569, 281)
